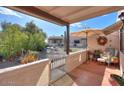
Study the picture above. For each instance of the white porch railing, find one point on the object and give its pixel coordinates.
(74, 60)
(58, 62)
(39, 72)
(31, 74)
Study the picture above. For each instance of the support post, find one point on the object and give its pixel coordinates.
(86, 46)
(121, 16)
(120, 47)
(65, 38)
(68, 39)
(121, 36)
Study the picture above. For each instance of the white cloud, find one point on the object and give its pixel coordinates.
(6, 11)
(33, 18)
(105, 15)
(79, 25)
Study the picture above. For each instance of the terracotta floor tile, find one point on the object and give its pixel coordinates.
(92, 74)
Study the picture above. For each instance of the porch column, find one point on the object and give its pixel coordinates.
(120, 38)
(121, 16)
(67, 39)
(86, 46)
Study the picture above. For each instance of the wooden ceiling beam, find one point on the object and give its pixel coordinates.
(33, 11)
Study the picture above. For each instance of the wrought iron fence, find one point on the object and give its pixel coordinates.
(58, 62)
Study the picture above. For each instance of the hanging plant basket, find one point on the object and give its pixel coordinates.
(102, 40)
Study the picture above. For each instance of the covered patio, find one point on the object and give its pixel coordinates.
(67, 16)
(79, 71)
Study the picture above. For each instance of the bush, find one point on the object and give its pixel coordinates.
(14, 39)
(29, 58)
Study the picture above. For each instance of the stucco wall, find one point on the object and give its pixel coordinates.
(114, 37)
(74, 60)
(35, 73)
(93, 45)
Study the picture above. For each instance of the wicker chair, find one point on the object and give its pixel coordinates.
(109, 56)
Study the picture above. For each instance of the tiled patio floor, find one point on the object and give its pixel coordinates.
(88, 74)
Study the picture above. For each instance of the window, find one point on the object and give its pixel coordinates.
(54, 41)
(76, 41)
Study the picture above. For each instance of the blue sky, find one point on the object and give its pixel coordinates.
(53, 29)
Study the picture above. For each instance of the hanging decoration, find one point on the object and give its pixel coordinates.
(102, 40)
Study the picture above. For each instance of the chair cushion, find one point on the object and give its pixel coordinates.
(101, 59)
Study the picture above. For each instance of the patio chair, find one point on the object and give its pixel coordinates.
(104, 58)
(108, 56)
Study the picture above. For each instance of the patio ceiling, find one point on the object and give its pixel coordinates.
(112, 28)
(64, 15)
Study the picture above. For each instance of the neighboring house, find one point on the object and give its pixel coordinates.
(77, 42)
(78, 39)
(56, 41)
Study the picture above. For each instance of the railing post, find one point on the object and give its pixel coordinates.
(68, 39)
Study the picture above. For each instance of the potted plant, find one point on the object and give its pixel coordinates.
(96, 54)
(114, 59)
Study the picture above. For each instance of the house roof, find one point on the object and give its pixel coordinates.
(55, 37)
(64, 15)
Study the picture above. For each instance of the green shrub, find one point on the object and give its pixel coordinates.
(13, 39)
